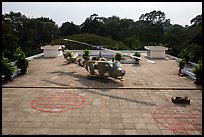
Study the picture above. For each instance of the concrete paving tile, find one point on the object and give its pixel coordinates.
(80, 131)
(118, 132)
(142, 132)
(61, 132)
(105, 119)
(167, 132)
(93, 131)
(43, 131)
(93, 125)
(19, 119)
(116, 120)
(152, 126)
(105, 125)
(141, 126)
(128, 120)
(130, 131)
(105, 131)
(138, 120)
(117, 126)
(129, 125)
(149, 121)
(83, 119)
(155, 132)
(126, 115)
(24, 131)
(72, 120)
(48, 125)
(7, 131)
(29, 124)
(96, 119)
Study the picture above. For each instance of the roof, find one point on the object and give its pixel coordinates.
(51, 47)
(156, 48)
(93, 105)
(56, 72)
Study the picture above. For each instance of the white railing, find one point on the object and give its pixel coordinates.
(17, 70)
(187, 71)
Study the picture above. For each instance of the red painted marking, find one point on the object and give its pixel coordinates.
(57, 102)
(179, 119)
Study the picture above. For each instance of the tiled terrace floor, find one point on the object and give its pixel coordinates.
(140, 104)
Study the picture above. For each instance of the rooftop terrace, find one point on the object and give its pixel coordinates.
(135, 105)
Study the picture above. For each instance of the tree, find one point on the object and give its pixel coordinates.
(197, 20)
(174, 36)
(9, 39)
(158, 21)
(93, 24)
(68, 28)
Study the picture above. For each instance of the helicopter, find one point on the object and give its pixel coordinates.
(100, 66)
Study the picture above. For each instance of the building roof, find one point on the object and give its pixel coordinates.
(51, 47)
(163, 73)
(93, 105)
(156, 48)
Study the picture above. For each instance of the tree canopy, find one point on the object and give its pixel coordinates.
(29, 34)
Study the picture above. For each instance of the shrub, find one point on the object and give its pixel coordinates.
(118, 56)
(137, 54)
(7, 69)
(86, 54)
(186, 55)
(198, 73)
(182, 64)
(21, 61)
(69, 54)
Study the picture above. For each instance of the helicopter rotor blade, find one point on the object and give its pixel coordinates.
(81, 43)
(129, 55)
(100, 47)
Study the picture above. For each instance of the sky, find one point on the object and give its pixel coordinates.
(178, 12)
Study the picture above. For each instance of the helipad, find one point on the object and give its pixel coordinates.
(59, 98)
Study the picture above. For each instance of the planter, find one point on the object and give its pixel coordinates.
(7, 78)
(136, 61)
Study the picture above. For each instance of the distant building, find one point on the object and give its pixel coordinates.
(52, 51)
(156, 51)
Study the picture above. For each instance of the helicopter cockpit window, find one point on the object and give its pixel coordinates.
(117, 65)
(110, 64)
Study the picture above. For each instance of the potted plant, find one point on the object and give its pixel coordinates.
(7, 69)
(198, 73)
(69, 54)
(137, 54)
(86, 54)
(21, 61)
(118, 56)
(186, 55)
(181, 65)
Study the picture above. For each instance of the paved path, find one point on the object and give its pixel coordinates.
(57, 98)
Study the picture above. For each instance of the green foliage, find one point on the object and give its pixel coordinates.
(92, 39)
(21, 61)
(137, 54)
(112, 32)
(69, 54)
(182, 64)
(198, 73)
(186, 55)
(68, 28)
(118, 56)
(86, 54)
(7, 68)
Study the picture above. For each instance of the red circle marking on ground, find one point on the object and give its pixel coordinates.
(179, 118)
(57, 102)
